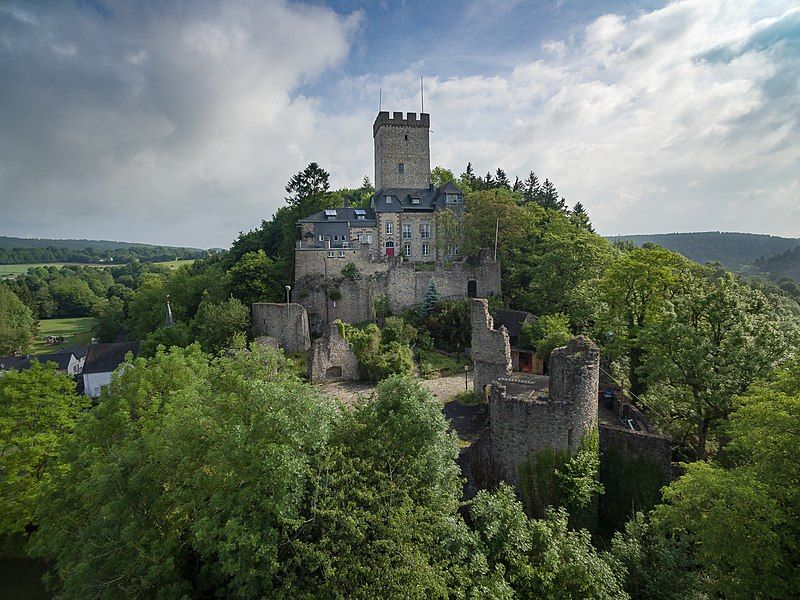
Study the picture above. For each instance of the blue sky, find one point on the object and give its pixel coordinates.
(179, 122)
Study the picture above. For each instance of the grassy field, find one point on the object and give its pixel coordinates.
(14, 270)
(75, 331)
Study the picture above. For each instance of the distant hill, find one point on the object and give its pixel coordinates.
(21, 251)
(782, 264)
(15, 242)
(737, 251)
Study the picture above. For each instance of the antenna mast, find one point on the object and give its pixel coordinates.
(421, 96)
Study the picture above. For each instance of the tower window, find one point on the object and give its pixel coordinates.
(401, 168)
(406, 136)
(426, 250)
(389, 228)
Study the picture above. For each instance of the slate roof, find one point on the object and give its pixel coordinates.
(430, 199)
(104, 358)
(14, 363)
(61, 359)
(343, 215)
(513, 321)
(20, 363)
(79, 350)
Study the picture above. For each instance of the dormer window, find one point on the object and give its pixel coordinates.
(361, 214)
(415, 201)
(330, 214)
(388, 199)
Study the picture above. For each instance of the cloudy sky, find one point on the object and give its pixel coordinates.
(179, 122)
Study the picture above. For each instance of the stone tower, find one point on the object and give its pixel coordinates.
(402, 150)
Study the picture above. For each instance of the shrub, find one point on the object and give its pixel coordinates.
(435, 364)
(350, 270)
(377, 358)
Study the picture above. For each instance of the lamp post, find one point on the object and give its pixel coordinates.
(466, 383)
(288, 289)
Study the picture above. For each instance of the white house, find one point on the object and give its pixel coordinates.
(101, 360)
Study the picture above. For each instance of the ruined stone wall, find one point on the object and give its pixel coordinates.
(522, 427)
(525, 419)
(331, 358)
(491, 350)
(288, 323)
(633, 444)
(574, 380)
(328, 295)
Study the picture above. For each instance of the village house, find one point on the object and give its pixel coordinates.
(101, 361)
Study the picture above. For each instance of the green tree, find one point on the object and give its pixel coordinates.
(635, 289)
(38, 411)
(311, 182)
(501, 179)
(658, 566)
(256, 278)
(541, 558)
(715, 340)
(580, 217)
(741, 514)
(110, 316)
(218, 323)
(191, 478)
(17, 325)
(546, 334)
(441, 176)
(430, 299)
(178, 335)
(384, 521)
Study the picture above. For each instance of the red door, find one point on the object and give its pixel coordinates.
(389, 248)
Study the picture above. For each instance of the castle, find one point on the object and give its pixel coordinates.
(348, 260)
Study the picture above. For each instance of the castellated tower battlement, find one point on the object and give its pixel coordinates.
(534, 414)
(402, 150)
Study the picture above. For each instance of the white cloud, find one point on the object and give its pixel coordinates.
(178, 125)
(684, 118)
(181, 123)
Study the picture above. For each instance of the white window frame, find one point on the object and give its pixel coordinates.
(330, 253)
(406, 229)
(406, 249)
(425, 231)
(341, 253)
(369, 238)
(389, 244)
(389, 228)
(426, 250)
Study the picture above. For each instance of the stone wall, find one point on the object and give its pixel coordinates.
(633, 444)
(328, 295)
(526, 418)
(491, 350)
(288, 323)
(331, 358)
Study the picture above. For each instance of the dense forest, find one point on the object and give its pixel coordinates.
(736, 251)
(209, 468)
(14, 252)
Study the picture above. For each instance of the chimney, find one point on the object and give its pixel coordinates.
(347, 202)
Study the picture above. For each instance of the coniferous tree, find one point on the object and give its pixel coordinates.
(430, 299)
(310, 182)
(580, 217)
(501, 179)
(517, 187)
(489, 183)
(530, 190)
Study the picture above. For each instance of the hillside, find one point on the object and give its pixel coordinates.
(783, 264)
(21, 251)
(15, 242)
(737, 251)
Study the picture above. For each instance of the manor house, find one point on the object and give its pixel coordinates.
(350, 259)
(400, 220)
